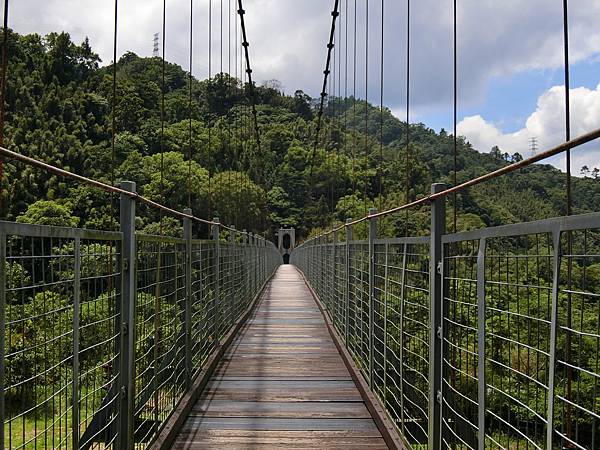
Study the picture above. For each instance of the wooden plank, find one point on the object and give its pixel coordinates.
(236, 439)
(282, 383)
(278, 424)
(297, 410)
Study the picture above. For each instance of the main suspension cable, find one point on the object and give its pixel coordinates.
(334, 15)
(253, 99)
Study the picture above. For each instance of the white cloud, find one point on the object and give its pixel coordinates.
(288, 39)
(547, 123)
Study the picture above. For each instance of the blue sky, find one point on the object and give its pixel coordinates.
(509, 101)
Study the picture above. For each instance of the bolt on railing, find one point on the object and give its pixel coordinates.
(104, 332)
(463, 336)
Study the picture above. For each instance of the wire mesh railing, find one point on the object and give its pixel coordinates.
(102, 333)
(473, 340)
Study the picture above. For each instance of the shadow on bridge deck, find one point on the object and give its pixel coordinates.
(282, 383)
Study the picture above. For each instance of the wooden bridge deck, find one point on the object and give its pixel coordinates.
(282, 383)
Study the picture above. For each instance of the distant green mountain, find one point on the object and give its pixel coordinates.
(59, 109)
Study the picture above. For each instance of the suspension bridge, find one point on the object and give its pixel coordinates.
(219, 338)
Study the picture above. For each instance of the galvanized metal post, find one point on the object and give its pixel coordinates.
(127, 310)
(436, 281)
(187, 235)
(216, 230)
(481, 344)
(348, 284)
(372, 299)
(76, 335)
(556, 263)
(334, 277)
(231, 268)
(252, 263)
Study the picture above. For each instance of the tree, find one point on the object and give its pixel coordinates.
(281, 211)
(237, 200)
(48, 212)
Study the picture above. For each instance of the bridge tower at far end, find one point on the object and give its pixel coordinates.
(286, 241)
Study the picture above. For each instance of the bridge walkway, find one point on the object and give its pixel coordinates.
(282, 383)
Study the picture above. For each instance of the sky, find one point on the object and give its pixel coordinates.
(510, 56)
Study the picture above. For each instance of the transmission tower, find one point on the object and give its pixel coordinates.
(155, 51)
(533, 145)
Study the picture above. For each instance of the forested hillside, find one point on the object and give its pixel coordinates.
(59, 110)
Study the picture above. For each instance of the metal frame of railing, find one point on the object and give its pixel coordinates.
(459, 333)
(102, 333)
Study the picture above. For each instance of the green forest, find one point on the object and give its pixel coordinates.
(59, 109)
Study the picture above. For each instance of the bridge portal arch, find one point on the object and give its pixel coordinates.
(286, 241)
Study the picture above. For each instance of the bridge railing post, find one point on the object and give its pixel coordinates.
(348, 290)
(252, 263)
(245, 269)
(372, 299)
(232, 274)
(334, 282)
(187, 235)
(127, 316)
(216, 302)
(436, 283)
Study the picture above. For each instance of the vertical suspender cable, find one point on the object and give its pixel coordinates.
(569, 367)
(3, 90)
(113, 130)
(338, 102)
(408, 174)
(209, 124)
(190, 104)
(236, 121)
(332, 111)
(381, 89)
(346, 78)
(230, 153)
(366, 207)
(567, 103)
(455, 137)
(221, 39)
(354, 102)
(162, 111)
